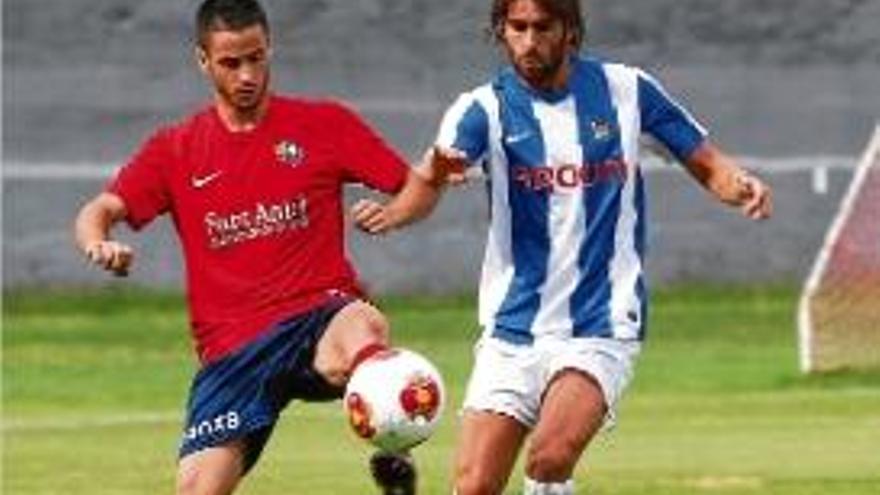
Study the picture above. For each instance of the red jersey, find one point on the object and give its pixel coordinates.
(259, 213)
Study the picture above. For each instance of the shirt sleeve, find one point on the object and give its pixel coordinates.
(142, 184)
(666, 120)
(365, 156)
(465, 127)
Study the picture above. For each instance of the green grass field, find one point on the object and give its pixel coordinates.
(94, 385)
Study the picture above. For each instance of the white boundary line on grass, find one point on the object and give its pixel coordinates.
(60, 423)
(97, 421)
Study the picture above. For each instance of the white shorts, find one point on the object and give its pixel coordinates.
(511, 379)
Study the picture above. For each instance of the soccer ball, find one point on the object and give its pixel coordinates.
(395, 399)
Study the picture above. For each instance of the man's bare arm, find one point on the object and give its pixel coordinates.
(424, 187)
(92, 229)
(720, 173)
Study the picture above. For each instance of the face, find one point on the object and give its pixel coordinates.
(537, 44)
(237, 63)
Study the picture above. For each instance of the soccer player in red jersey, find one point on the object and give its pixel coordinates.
(253, 184)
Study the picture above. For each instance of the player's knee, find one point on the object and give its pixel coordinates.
(372, 334)
(196, 481)
(376, 325)
(188, 482)
(551, 462)
(356, 328)
(470, 480)
(364, 324)
(194, 486)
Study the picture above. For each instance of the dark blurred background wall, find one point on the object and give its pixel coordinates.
(790, 85)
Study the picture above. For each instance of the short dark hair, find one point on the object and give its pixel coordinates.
(568, 11)
(228, 15)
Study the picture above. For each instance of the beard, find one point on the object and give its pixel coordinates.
(541, 72)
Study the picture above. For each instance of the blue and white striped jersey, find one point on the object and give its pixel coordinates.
(566, 243)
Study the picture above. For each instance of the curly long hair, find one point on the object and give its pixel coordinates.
(568, 11)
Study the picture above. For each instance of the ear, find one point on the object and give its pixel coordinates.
(570, 37)
(202, 59)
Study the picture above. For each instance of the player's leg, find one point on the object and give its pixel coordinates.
(234, 403)
(572, 413)
(354, 332)
(586, 378)
(212, 471)
(394, 472)
(500, 406)
(488, 444)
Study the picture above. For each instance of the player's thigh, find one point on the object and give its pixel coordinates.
(572, 412)
(212, 471)
(355, 326)
(487, 448)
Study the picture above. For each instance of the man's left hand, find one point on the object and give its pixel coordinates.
(755, 197)
(371, 216)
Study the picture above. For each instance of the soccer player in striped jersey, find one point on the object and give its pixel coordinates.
(253, 183)
(563, 297)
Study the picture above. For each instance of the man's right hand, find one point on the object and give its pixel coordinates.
(443, 166)
(112, 256)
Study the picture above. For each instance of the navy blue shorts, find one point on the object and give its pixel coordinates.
(241, 395)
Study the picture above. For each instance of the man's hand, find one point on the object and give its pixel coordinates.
(720, 173)
(754, 196)
(443, 167)
(112, 256)
(418, 196)
(371, 216)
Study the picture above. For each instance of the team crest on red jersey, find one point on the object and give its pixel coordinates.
(289, 153)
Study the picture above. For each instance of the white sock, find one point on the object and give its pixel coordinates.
(532, 487)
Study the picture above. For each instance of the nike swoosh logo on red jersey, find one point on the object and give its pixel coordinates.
(200, 182)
